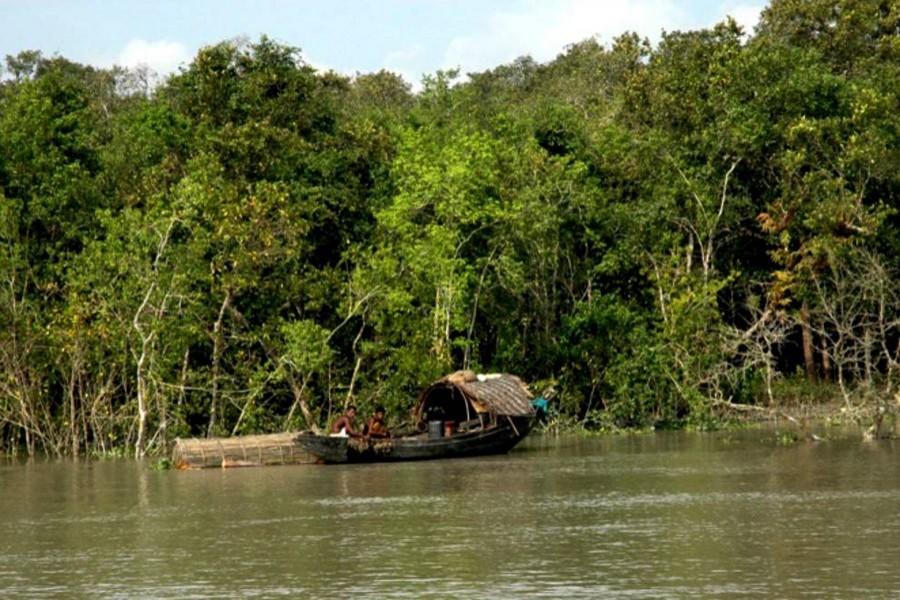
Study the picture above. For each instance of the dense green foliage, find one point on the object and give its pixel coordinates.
(657, 231)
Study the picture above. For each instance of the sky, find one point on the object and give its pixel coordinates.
(409, 37)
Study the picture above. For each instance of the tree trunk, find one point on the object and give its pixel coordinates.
(73, 411)
(141, 372)
(826, 359)
(299, 390)
(217, 356)
(141, 376)
(808, 356)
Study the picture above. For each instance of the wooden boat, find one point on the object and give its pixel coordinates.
(460, 415)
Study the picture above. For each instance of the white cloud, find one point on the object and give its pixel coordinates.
(162, 56)
(321, 67)
(543, 29)
(746, 15)
(405, 62)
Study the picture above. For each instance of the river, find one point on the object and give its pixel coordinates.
(665, 515)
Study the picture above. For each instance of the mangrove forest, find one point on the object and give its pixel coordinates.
(660, 233)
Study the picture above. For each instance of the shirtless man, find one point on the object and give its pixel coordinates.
(376, 426)
(345, 425)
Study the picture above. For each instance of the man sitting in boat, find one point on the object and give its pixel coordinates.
(376, 427)
(345, 425)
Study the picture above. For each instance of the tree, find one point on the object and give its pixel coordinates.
(852, 35)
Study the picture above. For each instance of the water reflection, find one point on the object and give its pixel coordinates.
(653, 516)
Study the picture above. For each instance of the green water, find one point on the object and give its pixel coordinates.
(681, 515)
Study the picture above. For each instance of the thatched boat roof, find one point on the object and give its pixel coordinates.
(500, 393)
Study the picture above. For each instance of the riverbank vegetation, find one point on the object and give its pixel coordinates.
(661, 232)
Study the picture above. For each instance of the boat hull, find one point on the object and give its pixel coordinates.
(494, 440)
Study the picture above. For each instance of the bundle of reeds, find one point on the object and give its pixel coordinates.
(243, 451)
